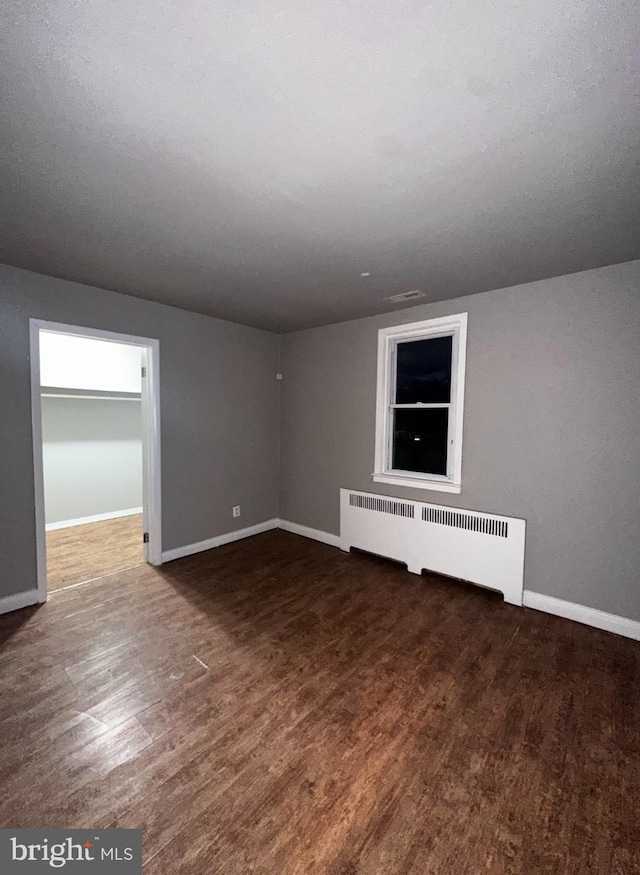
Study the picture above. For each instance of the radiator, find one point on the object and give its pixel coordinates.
(478, 547)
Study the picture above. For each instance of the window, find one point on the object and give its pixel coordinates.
(420, 404)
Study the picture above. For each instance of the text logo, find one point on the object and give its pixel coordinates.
(74, 850)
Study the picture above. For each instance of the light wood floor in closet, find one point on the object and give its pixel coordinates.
(82, 553)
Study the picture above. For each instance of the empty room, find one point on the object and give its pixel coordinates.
(320, 438)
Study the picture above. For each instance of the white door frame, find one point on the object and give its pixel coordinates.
(151, 496)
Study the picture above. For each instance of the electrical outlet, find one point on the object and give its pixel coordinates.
(236, 510)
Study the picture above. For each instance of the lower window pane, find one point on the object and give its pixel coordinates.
(420, 440)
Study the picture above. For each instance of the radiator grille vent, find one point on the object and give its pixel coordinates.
(382, 505)
(499, 528)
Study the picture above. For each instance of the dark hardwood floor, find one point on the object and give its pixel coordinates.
(275, 706)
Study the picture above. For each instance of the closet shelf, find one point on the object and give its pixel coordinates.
(89, 394)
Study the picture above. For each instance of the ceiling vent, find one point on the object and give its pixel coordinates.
(406, 296)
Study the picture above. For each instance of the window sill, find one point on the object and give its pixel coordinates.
(418, 483)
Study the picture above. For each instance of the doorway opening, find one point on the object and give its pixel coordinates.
(96, 445)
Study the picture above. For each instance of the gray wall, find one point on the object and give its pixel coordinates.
(219, 413)
(92, 453)
(551, 430)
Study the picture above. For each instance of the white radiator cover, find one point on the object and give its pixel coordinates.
(479, 547)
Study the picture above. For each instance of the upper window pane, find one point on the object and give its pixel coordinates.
(423, 371)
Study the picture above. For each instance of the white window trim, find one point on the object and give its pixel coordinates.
(387, 339)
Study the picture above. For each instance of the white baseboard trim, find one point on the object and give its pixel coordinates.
(219, 540)
(19, 600)
(96, 518)
(306, 532)
(267, 526)
(582, 614)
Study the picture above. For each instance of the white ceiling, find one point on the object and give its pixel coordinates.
(251, 159)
